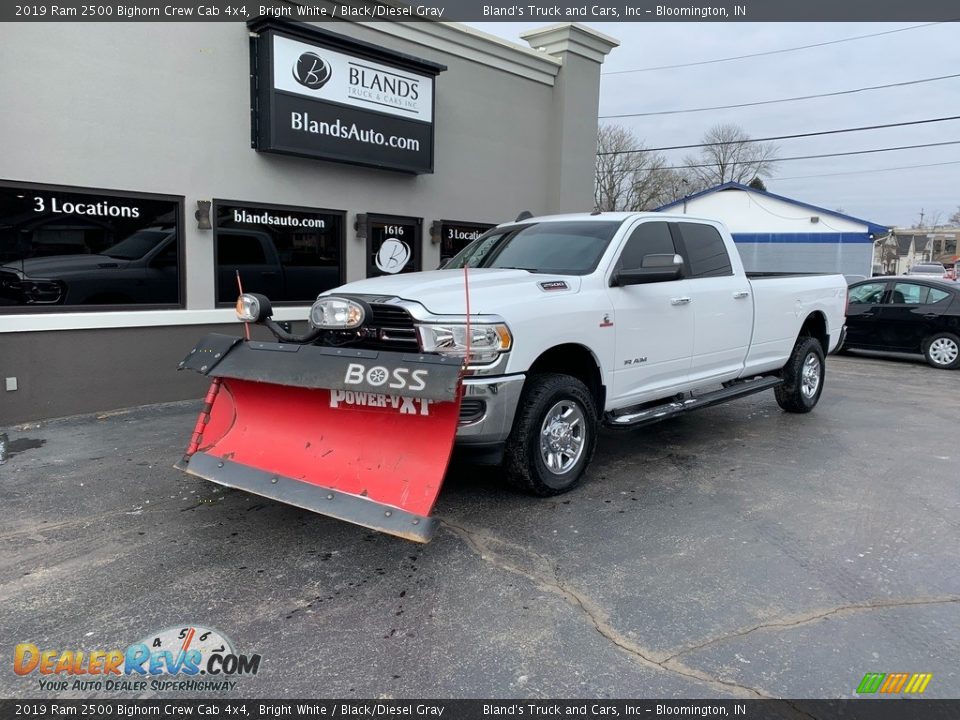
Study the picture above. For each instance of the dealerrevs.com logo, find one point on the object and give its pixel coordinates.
(192, 658)
(311, 71)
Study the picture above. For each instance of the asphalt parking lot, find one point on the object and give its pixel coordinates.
(736, 552)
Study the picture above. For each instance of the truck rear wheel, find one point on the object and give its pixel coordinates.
(554, 435)
(803, 377)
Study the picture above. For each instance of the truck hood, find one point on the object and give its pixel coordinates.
(57, 265)
(441, 291)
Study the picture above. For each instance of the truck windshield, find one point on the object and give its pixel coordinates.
(137, 245)
(565, 248)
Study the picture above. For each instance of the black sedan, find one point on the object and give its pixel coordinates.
(906, 314)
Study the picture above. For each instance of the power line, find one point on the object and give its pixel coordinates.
(864, 172)
(783, 137)
(769, 52)
(825, 155)
(782, 100)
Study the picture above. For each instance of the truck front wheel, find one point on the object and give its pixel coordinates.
(554, 435)
(802, 377)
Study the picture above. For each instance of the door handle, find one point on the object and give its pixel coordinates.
(268, 273)
(741, 294)
(680, 301)
(930, 316)
(865, 315)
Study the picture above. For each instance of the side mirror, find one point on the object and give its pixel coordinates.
(659, 267)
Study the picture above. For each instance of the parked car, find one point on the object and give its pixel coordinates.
(928, 269)
(906, 314)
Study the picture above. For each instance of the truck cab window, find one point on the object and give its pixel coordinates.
(649, 238)
(705, 251)
(240, 250)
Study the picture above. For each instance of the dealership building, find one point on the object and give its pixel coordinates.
(780, 234)
(148, 167)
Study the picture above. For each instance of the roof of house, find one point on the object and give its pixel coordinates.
(872, 227)
(903, 244)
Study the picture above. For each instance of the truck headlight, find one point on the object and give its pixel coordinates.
(486, 341)
(42, 291)
(253, 307)
(334, 313)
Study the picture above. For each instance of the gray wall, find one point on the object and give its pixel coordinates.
(164, 107)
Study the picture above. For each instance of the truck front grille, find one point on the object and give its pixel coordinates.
(388, 328)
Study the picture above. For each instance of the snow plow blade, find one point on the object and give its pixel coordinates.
(360, 435)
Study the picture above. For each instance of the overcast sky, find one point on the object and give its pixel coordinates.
(890, 198)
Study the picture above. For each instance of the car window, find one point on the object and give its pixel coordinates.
(908, 294)
(706, 253)
(936, 296)
(868, 294)
(649, 238)
(911, 294)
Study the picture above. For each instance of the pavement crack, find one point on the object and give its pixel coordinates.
(815, 616)
(545, 573)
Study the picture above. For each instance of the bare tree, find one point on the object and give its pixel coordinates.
(628, 177)
(955, 218)
(728, 155)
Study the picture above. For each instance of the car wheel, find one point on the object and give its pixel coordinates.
(803, 377)
(554, 435)
(942, 351)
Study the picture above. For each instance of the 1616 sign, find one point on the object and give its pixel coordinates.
(326, 96)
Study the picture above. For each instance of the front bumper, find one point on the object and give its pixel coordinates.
(499, 397)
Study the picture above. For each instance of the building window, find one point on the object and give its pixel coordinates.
(455, 236)
(393, 244)
(289, 254)
(82, 249)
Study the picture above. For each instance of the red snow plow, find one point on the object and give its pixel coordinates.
(360, 435)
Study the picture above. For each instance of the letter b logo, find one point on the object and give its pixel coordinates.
(311, 71)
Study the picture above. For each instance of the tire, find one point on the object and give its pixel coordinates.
(561, 403)
(942, 351)
(803, 377)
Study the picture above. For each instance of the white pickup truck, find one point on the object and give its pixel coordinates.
(619, 318)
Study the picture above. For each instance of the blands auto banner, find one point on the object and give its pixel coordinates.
(334, 104)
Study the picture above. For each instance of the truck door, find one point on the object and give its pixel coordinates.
(722, 304)
(653, 322)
